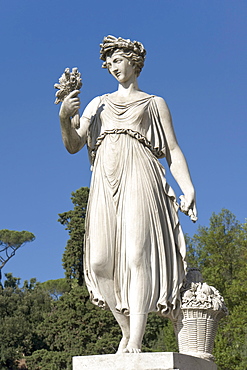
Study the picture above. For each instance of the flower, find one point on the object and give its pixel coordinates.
(188, 296)
(206, 289)
(68, 82)
(202, 296)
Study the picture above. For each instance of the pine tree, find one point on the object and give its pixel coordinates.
(10, 241)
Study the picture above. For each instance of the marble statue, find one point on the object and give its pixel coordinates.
(134, 250)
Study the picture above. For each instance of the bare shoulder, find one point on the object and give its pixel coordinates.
(162, 106)
(92, 107)
(166, 121)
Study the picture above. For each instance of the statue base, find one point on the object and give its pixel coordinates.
(142, 361)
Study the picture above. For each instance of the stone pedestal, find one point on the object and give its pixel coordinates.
(142, 361)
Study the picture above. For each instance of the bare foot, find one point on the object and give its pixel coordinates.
(132, 349)
(122, 345)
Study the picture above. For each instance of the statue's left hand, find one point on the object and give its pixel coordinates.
(188, 207)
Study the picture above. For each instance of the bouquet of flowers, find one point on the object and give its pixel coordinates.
(203, 296)
(68, 82)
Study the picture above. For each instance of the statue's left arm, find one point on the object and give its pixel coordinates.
(176, 160)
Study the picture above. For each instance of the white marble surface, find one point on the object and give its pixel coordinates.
(134, 250)
(142, 361)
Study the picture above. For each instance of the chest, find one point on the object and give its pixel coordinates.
(132, 116)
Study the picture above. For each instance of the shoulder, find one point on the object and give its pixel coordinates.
(162, 107)
(92, 107)
(160, 102)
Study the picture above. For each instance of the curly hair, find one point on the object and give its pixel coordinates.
(131, 50)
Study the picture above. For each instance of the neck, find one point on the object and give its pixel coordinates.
(127, 88)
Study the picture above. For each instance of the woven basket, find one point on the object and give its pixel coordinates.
(195, 330)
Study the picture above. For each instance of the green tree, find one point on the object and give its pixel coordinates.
(221, 254)
(56, 287)
(75, 327)
(159, 335)
(21, 308)
(48, 360)
(74, 221)
(10, 241)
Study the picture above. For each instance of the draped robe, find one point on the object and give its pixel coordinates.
(130, 203)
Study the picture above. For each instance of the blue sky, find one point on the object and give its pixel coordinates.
(196, 60)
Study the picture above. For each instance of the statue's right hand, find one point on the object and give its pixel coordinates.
(70, 105)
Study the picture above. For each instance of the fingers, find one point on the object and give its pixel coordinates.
(72, 101)
(75, 103)
(72, 97)
(70, 105)
(194, 209)
(73, 93)
(184, 204)
(188, 208)
(192, 215)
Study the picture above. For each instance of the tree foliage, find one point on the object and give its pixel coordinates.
(15, 238)
(74, 222)
(49, 360)
(21, 308)
(10, 241)
(45, 324)
(75, 327)
(221, 254)
(56, 288)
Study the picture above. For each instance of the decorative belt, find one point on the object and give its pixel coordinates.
(136, 135)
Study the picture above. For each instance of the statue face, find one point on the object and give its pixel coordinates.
(120, 67)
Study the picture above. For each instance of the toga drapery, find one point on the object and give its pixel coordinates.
(130, 203)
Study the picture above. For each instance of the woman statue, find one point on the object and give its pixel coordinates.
(134, 248)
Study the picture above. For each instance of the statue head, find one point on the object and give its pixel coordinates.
(134, 51)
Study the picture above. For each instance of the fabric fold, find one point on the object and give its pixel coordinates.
(130, 204)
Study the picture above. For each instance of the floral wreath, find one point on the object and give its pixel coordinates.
(111, 42)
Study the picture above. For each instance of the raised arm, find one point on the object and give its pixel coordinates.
(176, 161)
(74, 139)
